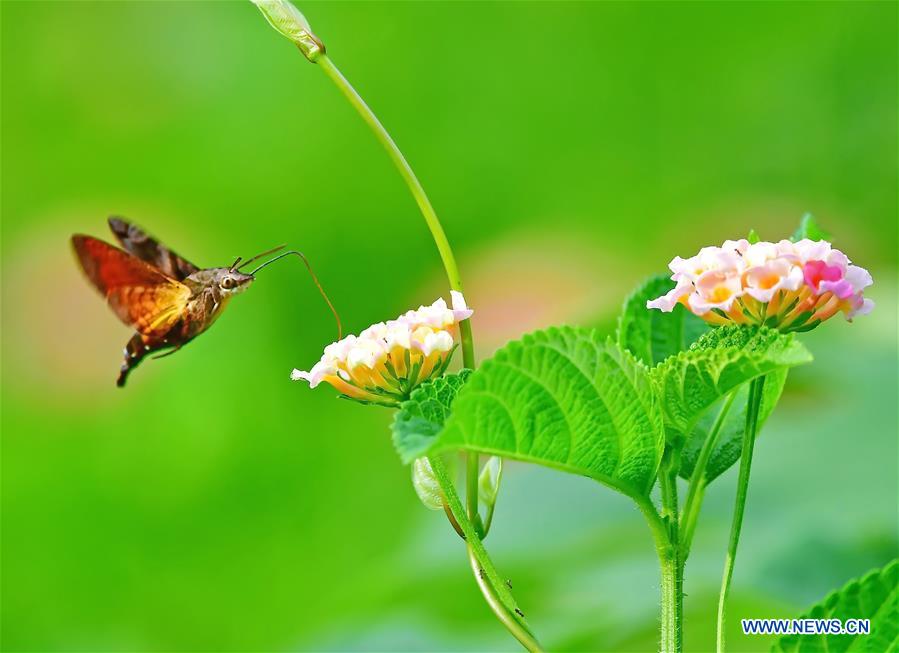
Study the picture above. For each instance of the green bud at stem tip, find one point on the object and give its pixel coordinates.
(288, 21)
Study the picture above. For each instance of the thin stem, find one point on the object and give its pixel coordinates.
(488, 518)
(524, 636)
(471, 491)
(415, 187)
(696, 492)
(496, 592)
(752, 416)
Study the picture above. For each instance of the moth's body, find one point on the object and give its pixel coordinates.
(208, 297)
(204, 305)
(168, 300)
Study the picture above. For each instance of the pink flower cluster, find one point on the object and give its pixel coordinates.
(385, 362)
(787, 285)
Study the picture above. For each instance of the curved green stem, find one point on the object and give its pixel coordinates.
(696, 492)
(752, 417)
(415, 187)
(495, 590)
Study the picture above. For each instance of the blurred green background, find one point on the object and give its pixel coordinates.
(571, 149)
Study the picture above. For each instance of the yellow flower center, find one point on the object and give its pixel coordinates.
(720, 294)
(768, 282)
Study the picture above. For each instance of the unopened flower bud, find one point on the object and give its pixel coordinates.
(488, 481)
(425, 483)
(288, 21)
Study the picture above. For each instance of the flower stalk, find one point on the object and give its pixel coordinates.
(492, 586)
(756, 389)
(696, 491)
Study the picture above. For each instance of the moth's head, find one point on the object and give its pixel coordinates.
(231, 282)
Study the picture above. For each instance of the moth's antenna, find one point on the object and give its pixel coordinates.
(234, 265)
(259, 256)
(314, 279)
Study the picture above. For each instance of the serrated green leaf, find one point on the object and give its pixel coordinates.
(808, 228)
(420, 418)
(566, 399)
(690, 383)
(651, 335)
(730, 437)
(872, 597)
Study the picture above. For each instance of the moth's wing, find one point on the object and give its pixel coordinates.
(136, 241)
(139, 294)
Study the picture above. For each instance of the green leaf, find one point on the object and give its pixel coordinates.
(566, 399)
(872, 597)
(420, 418)
(808, 228)
(753, 237)
(651, 335)
(691, 382)
(730, 438)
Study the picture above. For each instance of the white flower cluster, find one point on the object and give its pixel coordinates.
(385, 362)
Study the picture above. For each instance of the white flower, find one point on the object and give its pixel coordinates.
(715, 289)
(429, 341)
(767, 278)
(385, 362)
(758, 254)
(669, 300)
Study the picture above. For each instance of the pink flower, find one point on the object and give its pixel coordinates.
(793, 286)
(763, 281)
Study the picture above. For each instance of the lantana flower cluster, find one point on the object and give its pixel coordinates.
(385, 362)
(792, 286)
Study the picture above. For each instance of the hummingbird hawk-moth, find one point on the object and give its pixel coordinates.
(167, 299)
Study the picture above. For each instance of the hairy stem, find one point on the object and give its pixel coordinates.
(495, 590)
(669, 641)
(696, 492)
(671, 563)
(752, 417)
(666, 549)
